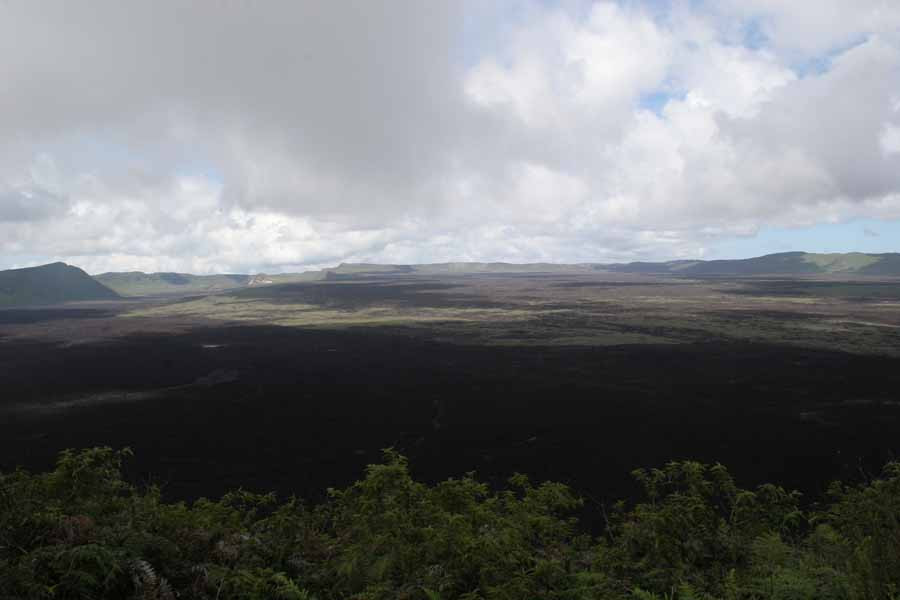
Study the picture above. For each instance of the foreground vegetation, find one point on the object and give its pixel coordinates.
(82, 531)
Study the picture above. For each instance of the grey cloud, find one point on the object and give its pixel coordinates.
(835, 120)
(34, 204)
(351, 91)
(237, 135)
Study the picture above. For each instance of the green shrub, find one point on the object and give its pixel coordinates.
(81, 531)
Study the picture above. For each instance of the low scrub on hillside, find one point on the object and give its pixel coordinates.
(81, 531)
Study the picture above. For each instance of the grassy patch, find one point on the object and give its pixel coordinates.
(539, 312)
(837, 263)
(229, 308)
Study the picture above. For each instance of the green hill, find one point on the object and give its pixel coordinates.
(783, 263)
(135, 283)
(50, 284)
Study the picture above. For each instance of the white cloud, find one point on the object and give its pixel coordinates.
(165, 136)
(559, 74)
(807, 28)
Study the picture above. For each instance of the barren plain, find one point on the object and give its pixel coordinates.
(572, 377)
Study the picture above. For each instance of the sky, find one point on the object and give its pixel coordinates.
(235, 136)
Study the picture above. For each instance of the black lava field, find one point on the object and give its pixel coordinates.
(298, 410)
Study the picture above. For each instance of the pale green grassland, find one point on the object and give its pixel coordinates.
(526, 324)
(230, 308)
(535, 311)
(836, 263)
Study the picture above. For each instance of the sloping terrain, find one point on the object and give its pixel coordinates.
(783, 263)
(50, 284)
(136, 283)
(345, 271)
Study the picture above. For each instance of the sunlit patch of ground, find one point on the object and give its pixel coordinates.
(535, 310)
(527, 324)
(227, 308)
(549, 312)
(80, 401)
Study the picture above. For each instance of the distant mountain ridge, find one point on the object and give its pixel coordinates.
(783, 263)
(58, 282)
(50, 284)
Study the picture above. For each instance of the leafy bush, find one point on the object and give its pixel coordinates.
(80, 531)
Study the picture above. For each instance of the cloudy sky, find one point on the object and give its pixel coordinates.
(230, 135)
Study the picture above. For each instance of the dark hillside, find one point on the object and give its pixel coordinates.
(784, 263)
(889, 264)
(50, 284)
(135, 283)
